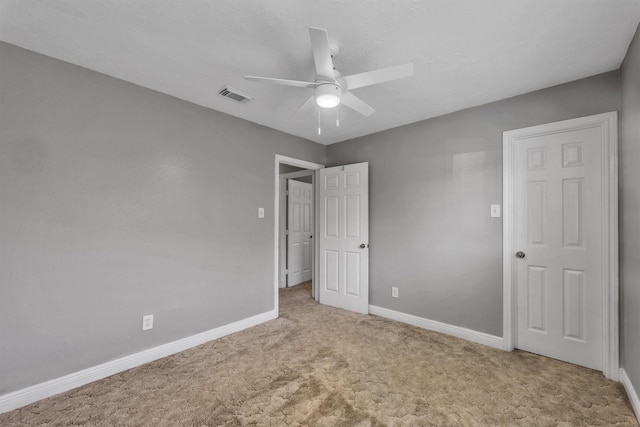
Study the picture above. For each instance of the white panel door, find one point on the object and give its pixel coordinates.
(344, 237)
(300, 229)
(558, 216)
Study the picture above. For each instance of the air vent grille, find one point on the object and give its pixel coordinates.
(235, 94)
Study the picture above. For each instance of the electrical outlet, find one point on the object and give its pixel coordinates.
(260, 212)
(147, 322)
(394, 291)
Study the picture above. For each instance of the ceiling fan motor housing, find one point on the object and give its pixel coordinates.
(328, 95)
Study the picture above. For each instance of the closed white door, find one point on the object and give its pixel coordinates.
(344, 237)
(558, 221)
(300, 229)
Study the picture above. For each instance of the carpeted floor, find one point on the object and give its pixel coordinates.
(321, 366)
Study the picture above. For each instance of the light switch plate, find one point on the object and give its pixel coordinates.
(260, 212)
(495, 211)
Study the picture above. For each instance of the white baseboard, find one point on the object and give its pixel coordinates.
(19, 398)
(445, 328)
(631, 392)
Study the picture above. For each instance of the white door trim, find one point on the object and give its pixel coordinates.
(608, 123)
(276, 215)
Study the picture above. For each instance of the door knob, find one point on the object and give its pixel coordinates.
(362, 246)
(520, 254)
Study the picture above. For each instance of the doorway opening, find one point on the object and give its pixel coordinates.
(295, 226)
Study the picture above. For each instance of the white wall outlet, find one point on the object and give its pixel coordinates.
(147, 322)
(394, 291)
(260, 212)
(495, 211)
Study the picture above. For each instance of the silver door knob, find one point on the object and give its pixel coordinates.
(362, 246)
(520, 254)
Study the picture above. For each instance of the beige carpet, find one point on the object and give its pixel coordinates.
(316, 365)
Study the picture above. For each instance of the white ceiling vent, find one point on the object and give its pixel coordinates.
(235, 94)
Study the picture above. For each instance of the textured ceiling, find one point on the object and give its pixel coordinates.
(465, 52)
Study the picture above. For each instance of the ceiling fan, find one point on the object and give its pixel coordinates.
(332, 89)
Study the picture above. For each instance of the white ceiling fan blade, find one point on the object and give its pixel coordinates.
(307, 105)
(321, 53)
(382, 75)
(350, 100)
(282, 82)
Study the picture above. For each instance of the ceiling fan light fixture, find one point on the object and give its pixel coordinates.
(328, 95)
(329, 83)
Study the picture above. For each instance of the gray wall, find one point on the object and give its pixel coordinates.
(431, 187)
(630, 212)
(118, 201)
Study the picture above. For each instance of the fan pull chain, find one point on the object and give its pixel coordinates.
(319, 128)
(338, 116)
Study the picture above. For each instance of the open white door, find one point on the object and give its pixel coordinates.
(344, 237)
(300, 228)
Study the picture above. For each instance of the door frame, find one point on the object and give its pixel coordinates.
(276, 220)
(610, 297)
